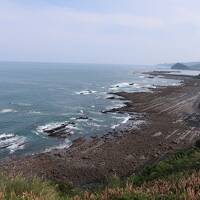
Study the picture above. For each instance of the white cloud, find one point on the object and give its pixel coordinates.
(55, 33)
(65, 16)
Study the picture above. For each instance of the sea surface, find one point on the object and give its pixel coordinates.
(39, 96)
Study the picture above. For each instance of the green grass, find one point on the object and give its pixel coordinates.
(183, 161)
(161, 181)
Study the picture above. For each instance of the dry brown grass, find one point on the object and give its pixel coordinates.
(20, 188)
(184, 188)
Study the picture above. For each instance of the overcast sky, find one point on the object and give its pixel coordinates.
(100, 31)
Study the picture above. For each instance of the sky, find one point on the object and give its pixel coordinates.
(100, 31)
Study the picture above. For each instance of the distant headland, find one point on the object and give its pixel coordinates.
(186, 66)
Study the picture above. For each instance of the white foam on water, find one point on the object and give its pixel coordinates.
(93, 124)
(175, 84)
(41, 134)
(116, 106)
(115, 126)
(4, 135)
(96, 113)
(18, 145)
(112, 97)
(73, 118)
(136, 85)
(82, 120)
(24, 104)
(126, 119)
(113, 89)
(50, 126)
(72, 127)
(12, 142)
(121, 85)
(7, 110)
(86, 92)
(150, 86)
(69, 128)
(35, 112)
(67, 143)
(124, 86)
(97, 120)
(134, 123)
(123, 120)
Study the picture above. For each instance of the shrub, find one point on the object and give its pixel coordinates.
(197, 144)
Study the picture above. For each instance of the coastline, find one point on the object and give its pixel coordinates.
(168, 128)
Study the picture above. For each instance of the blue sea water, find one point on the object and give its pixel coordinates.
(35, 96)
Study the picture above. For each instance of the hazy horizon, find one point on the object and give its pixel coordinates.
(146, 32)
(93, 63)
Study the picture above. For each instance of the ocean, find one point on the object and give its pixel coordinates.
(40, 96)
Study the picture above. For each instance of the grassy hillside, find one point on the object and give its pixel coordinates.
(177, 177)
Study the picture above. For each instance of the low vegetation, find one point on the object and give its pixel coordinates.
(177, 177)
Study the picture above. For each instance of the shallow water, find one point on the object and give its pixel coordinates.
(37, 96)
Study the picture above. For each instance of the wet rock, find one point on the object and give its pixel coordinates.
(85, 158)
(175, 142)
(111, 98)
(6, 137)
(61, 131)
(94, 137)
(59, 128)
(193, 119)
(82, 118)
(86, 92)
(58, 155)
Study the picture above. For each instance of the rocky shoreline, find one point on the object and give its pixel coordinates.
(172, 122)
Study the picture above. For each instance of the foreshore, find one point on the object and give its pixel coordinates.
(172, 122)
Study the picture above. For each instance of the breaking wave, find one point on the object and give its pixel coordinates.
(12, 142)
(7, 110)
